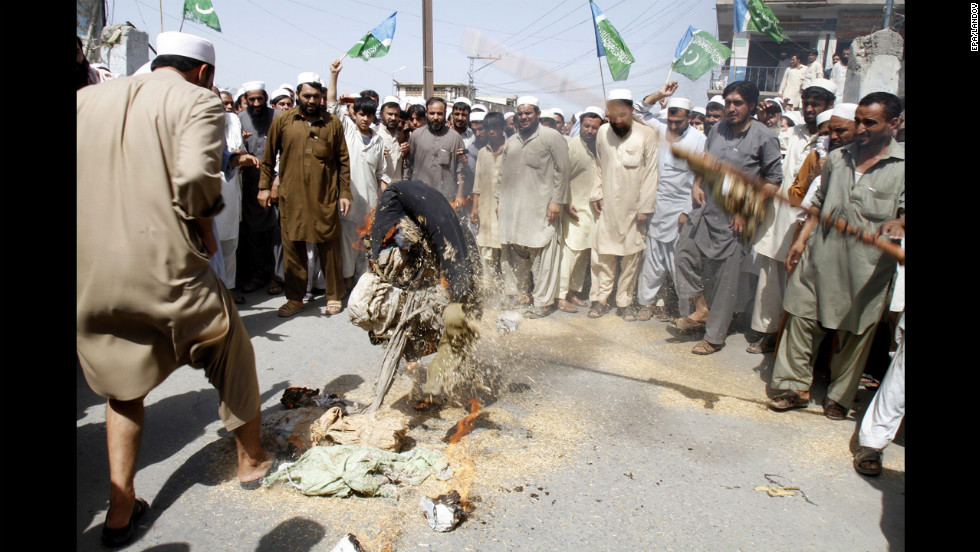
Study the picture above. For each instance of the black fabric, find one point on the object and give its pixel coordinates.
(430, 210)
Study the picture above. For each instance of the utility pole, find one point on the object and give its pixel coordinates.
(427, 48)
(472, 91)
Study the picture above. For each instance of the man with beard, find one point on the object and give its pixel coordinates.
(676, 180)
(709, 252)
(840, 283)
(714, 112)
(256, 260)
(461, 120)
(840, 132)
(389, 131)
(624, 195)
(775, 232)
(510, 129)
(485, 191)
(532, 188)
(314, 180)
(433, 153)
(578, 221)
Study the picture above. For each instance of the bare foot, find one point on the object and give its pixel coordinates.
(253, 469)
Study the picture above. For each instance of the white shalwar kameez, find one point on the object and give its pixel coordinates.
(226, 222)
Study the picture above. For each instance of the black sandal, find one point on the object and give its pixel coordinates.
(598, 309)
(122, 535)
(867, 455)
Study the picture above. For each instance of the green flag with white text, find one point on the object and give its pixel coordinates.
(375, 43)
(754, 15)
(702, 54)
(611, 45)
(201, 11)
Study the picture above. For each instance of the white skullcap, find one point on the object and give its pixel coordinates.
(252, 86)
(280, 92)
(391, 99)
(547, 114)
(287, 86)
(508, 115)
(795, 116)
(174, 43)
(464, 100)
(698, 110)
(309, 76)
(240, 93)
(620, 94)
(776, 99)
(682, 103)
(527, 100)
(845, 110)
(824, 116)
(415, 100)
(144, 69)
(558, 111)
(595, 109)
(827, 85)
(480, 106)
(719, 99)
(478, 116)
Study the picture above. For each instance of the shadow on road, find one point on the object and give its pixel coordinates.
(295, 534)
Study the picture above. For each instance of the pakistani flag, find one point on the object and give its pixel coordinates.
(376, 42)
(753, 15)
(203, 12)
(608, 43)
(697, 53)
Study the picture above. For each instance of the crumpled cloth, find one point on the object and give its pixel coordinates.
(373, 305)
(342, 470)
(308, 426)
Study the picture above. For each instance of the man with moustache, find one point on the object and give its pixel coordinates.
(484, 212)
(836, 282)
(389, 130)
(676, 180)
(714, 112)
(709, 251)
(624, 195)
(578, 221)
(256, 260)
(840, 132)
(433, 156)
(532, 188)
(314, 192)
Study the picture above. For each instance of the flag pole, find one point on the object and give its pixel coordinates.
(344, 56)
(603, 77)
(161, 16)
(671, 70)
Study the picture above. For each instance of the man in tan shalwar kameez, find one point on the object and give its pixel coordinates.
(484, 211)
(578, 221)
(624, 195)
(149, 152)
(314, 186)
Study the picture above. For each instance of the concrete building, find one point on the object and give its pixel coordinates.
(828, 26)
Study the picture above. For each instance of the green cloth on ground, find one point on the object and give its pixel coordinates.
(341, 470)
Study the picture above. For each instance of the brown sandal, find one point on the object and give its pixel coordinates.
(867, 460)
(598, 309)
(644, 313)
(334, 307)
(704, 347)
(833, 410)
(291, 308)
(788, 401)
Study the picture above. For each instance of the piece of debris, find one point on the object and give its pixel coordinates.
(348, 544)
(444, 512)
(295, 397)
(508, 321)
(307, 426)
(775, 490)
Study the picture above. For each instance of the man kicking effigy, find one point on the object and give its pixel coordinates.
(420, 293)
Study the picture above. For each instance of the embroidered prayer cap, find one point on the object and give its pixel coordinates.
(845, 110)
(681, 103)
(528, 100)
(175, 43)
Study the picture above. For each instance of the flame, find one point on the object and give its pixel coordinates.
(363, 230)
(461, 459)
(466, 424)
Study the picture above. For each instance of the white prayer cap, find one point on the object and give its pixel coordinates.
(464, 100)
(481, 106)
(698, 110)
(719, 99)
(527, 100)
(681, 103)
(240, 93)
(595, 109)
(391, 99)
(508, 115)
(144, 69)
(795, 116)
(308, 76)
(845, 110)
(776, 99)
(826, 84)
(824, 116)
(288, 88)
(286, 85)
(478, 116)
(620, 94)
(252, 86)
(558, 111)
(279, 92)
(415, 100)
(174, 43)
(547, 114)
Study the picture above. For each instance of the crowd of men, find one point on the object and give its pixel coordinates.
(597, 210)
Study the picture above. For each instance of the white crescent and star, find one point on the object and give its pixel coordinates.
(693, 61)
(197, 8)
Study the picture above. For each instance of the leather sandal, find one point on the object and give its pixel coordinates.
(333, 307)
(291, 308)
(122, 535)
(788, 401)
(644, 313)
(539, 312)
(686, 324)
(705, 347)
(575, 300)
(566, 306)
(867, 461)
(598, 309)
(833, 410)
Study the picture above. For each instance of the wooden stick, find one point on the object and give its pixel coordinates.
(703, 162)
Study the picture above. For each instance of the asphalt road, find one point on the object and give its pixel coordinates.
(598, 435)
